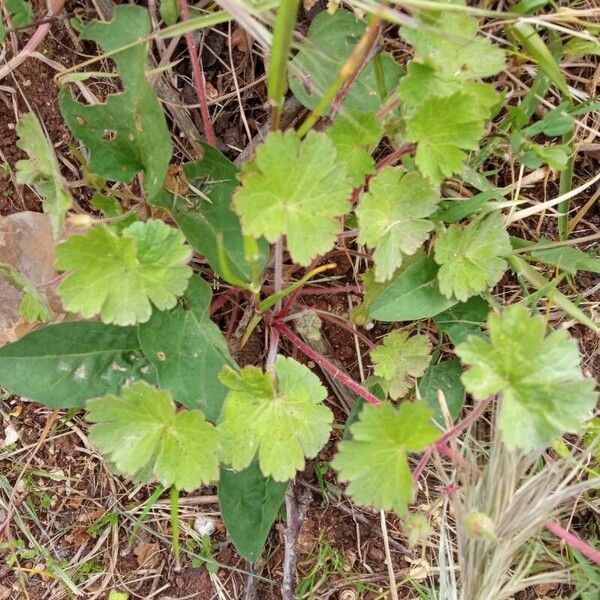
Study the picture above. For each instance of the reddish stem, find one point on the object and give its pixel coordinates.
(198, 74)
(440, 445)
(285, 331)
(574, 541)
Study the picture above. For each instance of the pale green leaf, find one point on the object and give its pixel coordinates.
(64, 365)
(451, 45)
(443, 129)
(399, 359)
(282, 421)
(392, 215)
(127, 133)
(169, 11)
(118, 276)
(538, 377)
(353, 137)
(472, 259)
(188, 351)
(375, 461)
(143, 436)
(296, 189)
(42, 171)
(422, 82)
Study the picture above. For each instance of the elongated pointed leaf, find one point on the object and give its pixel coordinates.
(249, 503)
(64, 365)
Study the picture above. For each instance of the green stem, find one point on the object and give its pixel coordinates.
(565, 185)
(175, 524)
(145, 511)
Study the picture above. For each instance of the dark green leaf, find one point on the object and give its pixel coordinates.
(188, 351)
(411, 294)
(128, 133)
(331, 40)
(209, 220)
(64, 365)
(444, 376)
(249, 503)
(463, 320)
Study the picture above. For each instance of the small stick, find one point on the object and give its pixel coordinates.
(198, 74)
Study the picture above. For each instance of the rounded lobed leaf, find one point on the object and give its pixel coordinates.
(118, 276)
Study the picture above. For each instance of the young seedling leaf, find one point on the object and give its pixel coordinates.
(538, 376)
(472, 259)
(281, 421)
(423, 81)
(400, 358)
(443, 129)
(331, 41)
(451, 45)
(249, 503)
(188, 351)
(392, 219)
(118, 276)
(353, 135)
(144, 437)
(34, 306)
(21, 12)
(375, 461)
(41, 171)
(296, 189)
(64, 365)
(128, 133)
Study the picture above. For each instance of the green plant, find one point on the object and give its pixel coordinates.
(167, 400)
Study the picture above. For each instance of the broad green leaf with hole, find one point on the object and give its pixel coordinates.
(444, 129)
(120, 276)
(375, 460)
(463, 319)
(143, 436)
(472, 259)
(128, 132)
(204, 214)
(353, 137)
(400, 359)
(33, 305)
(391, 217)
(249, 503)
(543, 391)
(189, 351)
(331, 40)
(278, 417)
(450, 44)
(411, 294)
(64, 365)
(297, 189)
(41, 171)
(444, 377)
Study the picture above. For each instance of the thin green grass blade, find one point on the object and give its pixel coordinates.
(283, 33)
